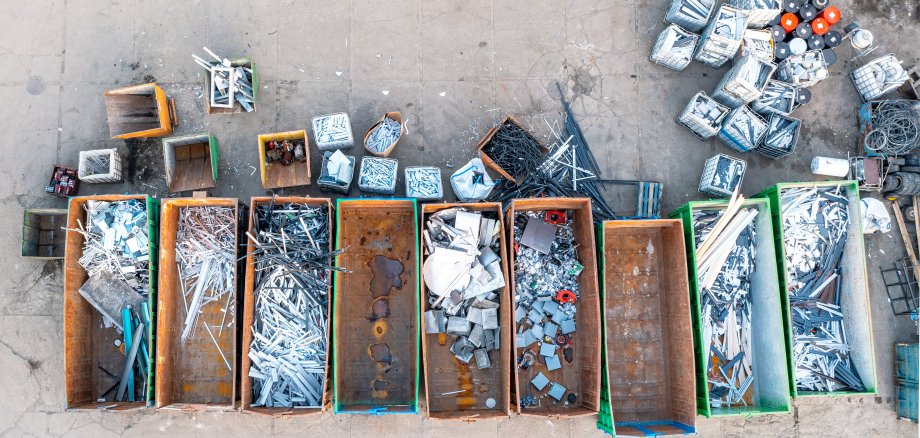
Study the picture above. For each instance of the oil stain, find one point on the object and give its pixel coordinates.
(464, 382)
(387, 274)
(380, 309)
(145, 158)
(381, 353)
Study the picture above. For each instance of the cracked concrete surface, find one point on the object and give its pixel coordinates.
(453, 68)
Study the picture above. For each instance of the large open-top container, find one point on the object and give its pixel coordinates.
(771, 391)
(583, 375)
(139, 111)
(42, 236)
(192, 374)
(444, 374)
(854, 289)
(649, 363)
(88, 345)
(376, 358)
(249, 301)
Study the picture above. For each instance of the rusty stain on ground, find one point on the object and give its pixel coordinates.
(387, 274)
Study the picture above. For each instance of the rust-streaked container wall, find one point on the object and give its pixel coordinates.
(583, 375)
(249, 300)
(192, 374)
(443, 372)
(376, 310)
(647, 327)
(139, 111)
(88, 345)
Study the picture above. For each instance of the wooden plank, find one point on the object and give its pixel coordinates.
(905, 236)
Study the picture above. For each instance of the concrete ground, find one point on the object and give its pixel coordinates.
(453, 68)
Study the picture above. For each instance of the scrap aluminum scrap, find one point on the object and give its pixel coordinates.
(725, 263)
(722, 37)
(743, 129)
(546, 270)
(205, 248)
(781, 137)
(116, 242)
(229, 83)
(803, 70)
(690, 14)
(777, 97)
(815, 224)
(464, 277)
(290, 330)
(383, 135)
(674, 48)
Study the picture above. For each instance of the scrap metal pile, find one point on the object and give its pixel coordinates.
(463, 276)
(892, 127)
(815, 222)
(229, 83)
(725, 262)
(285, 152)
(546, 271)
(116, 258)
(383, 135)
(289, 330)
(205, 249)
(568, 170)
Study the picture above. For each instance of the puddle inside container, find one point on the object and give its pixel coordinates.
(387, 273)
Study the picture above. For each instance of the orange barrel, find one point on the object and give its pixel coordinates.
(831, 14)
(789, 22)
(820, 26)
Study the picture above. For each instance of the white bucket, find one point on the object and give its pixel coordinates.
(830, 166)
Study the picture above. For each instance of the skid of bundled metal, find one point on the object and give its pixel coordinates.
(781, 137)
(742, 129)
(286, 306)
(760, 12)
(703, 116)
(722, 37)
(778, 97)
(803, 70)
(745, 81)
(674, 48)
(722, 175)
(758, 43)
(690, 14)
(739, 258)
(824, 361)
(879, 77)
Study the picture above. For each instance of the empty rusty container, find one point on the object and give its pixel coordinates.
(139, 111)
(444, 374)
(376, 310)
(193, 374)
(650, 381)
(582, 376)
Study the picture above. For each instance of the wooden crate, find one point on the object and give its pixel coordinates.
(191, 162)
(139, 111)
(583, 375)
(249, 300)
(237, 108)
(274, 175)
(646, 301)
(368, 229)
(443, 371)
(88, 345)
(192, 374)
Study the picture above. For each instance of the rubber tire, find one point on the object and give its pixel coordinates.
(891, 184)
(909, 213)
(911, 160)
(897, 161)
(910, 169)
(892, 168)
(910, 183)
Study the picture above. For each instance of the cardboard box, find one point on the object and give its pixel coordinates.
(395, 116)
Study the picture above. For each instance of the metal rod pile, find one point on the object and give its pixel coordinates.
(815, 224)
(725, 263)
(116, 242)
(205, 258)
(463, 278)
(290, 330)
(546, 270)
(568, 170)
(97, 164)
(514, 150)
(383, 135)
